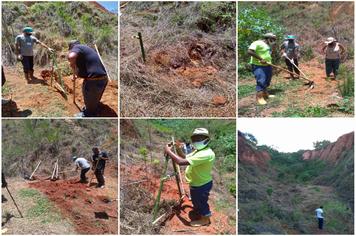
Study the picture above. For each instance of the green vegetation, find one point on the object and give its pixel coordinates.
(311, 111)
(253, 22)
(42, 208)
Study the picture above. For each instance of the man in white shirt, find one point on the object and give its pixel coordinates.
(84, 165)
(319, 215)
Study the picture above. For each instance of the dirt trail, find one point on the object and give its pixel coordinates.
(177, 221)
(92, 210)
(293, 94)
(38, 99)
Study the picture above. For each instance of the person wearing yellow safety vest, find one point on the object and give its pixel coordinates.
(198, 173)
(261, 56)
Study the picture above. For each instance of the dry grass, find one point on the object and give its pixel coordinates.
(160, 87)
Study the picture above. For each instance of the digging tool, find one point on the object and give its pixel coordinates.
(92, 177)
(291, 61)
(14, 201)
(35, 170)
(102, 62)
(310, 83)
(179, 180)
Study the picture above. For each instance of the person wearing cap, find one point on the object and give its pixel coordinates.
(24, 51)
(99, 159)
(198, 173)
(82, 164)
(86, 64)
(333, 51)
(261, 56)
(290, 50)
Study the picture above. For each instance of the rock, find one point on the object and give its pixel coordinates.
(218, 100)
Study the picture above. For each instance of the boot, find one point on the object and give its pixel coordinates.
(204, 220)
(31, 75)
(260, 98)
(266, 95)
(27, 76)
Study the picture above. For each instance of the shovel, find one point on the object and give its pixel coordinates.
(292, 61)
(310, 83)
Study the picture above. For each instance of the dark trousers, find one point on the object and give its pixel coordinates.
(83, 177)
(200, 197)
(320, 223)
(99, 174)
(92, 92)
(263, 76)
(332, 66)
(291, 67)
(27, 63)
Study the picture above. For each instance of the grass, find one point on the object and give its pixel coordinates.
(42, 207)
(311, 111)
(246, 90)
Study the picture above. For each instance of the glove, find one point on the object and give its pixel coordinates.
(284, 54)
(51, 50)
(19, 57)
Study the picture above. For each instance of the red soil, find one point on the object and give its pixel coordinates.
(92, 210)
(178, 221)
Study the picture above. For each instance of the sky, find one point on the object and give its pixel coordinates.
(290, 135)
(111, 6)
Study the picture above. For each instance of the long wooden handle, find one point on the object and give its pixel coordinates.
(14, 201)
(35, 170)
(281, 68)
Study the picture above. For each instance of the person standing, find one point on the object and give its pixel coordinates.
(320, 217)
(333, 51)
(290, 50)
(99, 159)
(198, 173)
(24, 51)
(261, 56)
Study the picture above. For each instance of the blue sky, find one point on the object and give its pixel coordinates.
(111, 6)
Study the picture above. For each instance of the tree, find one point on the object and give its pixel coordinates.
(321, 144)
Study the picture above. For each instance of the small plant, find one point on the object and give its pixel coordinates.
(269, 191)
(346, 86)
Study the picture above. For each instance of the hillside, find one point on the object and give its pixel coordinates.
(141, 167)
(280, 196)
(311, 23)
(58, 205)
(189, 67)
(55, 24)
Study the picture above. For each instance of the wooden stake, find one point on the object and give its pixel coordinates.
(158, 198)
(35, 170)
(179, 176)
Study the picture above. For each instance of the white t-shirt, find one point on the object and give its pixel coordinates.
(82, 163)
(319, 213)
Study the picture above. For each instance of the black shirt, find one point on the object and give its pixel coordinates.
(101, 164)
(88, 62)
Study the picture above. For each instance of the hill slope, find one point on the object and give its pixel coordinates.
(281, 197)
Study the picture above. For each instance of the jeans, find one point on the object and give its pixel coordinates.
(92, 92)
(291, 67)
(320, 223)
(263, 75)
(332, 66)
(200, 197)
(83, 178)
(99, 174)
(27, 63)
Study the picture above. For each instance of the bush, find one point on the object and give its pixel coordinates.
(346, 86)
(269, 191)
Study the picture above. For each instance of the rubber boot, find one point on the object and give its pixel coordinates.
(204, 220)
(260, 98)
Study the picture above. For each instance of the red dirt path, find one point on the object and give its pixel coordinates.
(92, 210)
(178, 221)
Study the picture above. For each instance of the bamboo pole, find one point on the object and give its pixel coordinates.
(158, 198)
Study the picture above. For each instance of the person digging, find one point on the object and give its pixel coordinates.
(198, 173)
(290, 50)
(99, 159)
(333, 51)
(84, 166)
(261, 56)
(86, 64)
(24, 51)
